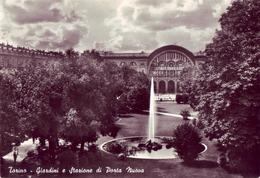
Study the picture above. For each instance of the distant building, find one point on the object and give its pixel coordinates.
(165, 64)
(11, 56)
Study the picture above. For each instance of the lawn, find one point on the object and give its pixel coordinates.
(136, 125)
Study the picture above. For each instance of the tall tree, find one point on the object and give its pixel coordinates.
(38, 102)
(135, 90)
(8, 119)
(71, 54)
(228, 85)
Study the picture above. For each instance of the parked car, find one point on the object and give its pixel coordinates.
(182, 98)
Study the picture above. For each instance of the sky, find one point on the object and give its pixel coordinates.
(116, 25)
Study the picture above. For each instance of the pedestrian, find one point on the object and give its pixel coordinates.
(15, 153)
(33, 139)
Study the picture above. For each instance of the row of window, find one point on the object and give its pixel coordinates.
(169, 64)
(166, 73)
(16, 62)
(131, 63)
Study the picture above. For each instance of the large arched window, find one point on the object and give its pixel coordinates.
(171, 87)
(165, 64)
(162, 87)
(171, 64)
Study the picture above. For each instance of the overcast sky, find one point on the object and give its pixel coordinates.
(121, 25)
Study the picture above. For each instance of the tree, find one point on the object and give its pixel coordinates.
(8, 130)
(83, 96)
(31, 104)
(77, 130)
(188, 84)
(38, 102)
(71, 54)
(93, 54)
(227, 88)
(135, 90)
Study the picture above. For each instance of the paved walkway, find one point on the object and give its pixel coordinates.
(175, 115)
(23, 150)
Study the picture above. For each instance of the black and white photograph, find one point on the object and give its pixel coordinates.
(130, 88)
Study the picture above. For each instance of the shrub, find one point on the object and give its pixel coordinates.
(185, 114)
(116, 148)
(187, 142)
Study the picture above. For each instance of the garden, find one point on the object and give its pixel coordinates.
(67, 110)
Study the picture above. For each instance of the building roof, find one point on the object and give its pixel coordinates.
(143, 55)
(172, 47)
(123, 55)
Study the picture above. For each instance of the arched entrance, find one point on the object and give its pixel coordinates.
(155, 87)
(162, 87)
(171, 87)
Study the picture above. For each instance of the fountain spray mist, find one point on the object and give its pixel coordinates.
(151, 126)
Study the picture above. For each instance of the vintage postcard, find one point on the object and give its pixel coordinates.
(130, 88)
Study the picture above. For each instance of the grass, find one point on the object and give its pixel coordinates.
(136, 125)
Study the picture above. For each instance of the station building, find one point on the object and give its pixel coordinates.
(164, 64)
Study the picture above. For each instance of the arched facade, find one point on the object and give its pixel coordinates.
(166, 64)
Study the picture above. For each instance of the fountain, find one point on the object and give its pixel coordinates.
(151, 126)
(144, 147)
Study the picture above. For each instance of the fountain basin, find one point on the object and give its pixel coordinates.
(139, 148)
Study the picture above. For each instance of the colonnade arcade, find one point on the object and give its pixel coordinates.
(167, 86)
(166, 68)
